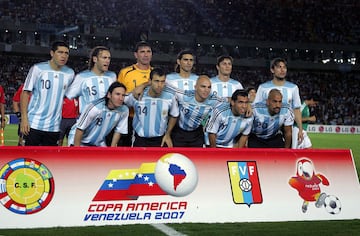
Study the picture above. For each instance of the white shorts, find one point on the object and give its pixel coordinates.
(306, 143)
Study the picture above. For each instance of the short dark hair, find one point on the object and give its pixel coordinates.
(56, 44)
(180, 55)
(141, 44)
(223, 57)
(274, 62)
(156, 71)
(239, 92)
(183, 52)
(248, 89)
(94, 53)
(314, 97)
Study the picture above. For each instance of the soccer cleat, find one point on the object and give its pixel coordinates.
(305, 206)
(320, 201)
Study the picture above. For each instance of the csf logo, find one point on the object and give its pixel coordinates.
(244, 181)
(26, 186)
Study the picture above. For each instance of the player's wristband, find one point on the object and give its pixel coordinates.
(18, 114)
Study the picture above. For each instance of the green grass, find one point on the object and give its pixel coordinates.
(299, 228)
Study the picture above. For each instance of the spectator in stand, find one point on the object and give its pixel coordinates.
(2, 108)
(46, 83)
(183, 78)
(70, 113)
(133, 76)
(269, 119)
(306, 118)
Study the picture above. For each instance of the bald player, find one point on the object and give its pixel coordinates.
(194, 107)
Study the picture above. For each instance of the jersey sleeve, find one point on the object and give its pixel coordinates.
(290, 117)
(75, 88)
(122, 125)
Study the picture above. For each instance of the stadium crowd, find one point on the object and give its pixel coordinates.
(279, 20)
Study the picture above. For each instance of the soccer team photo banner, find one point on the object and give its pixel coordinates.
(61, 186)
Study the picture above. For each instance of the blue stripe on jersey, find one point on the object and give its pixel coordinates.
(151, 114)
(266, 126)
(192, 113)
(224, 89)
(226, 126)
(48, 88)
(175, 80)
(289, 90)
(97, 121)
(89, 86)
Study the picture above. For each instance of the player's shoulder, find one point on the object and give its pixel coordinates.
(172, 76)
(266, 85)
(290, 84)
(128, 69)
(110, 74)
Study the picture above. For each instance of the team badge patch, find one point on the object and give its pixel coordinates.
(244, 180)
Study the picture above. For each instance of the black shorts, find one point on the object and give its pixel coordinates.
(41, 138)
(183, 138)
(276, 141)
(147, 142)
(65, 126)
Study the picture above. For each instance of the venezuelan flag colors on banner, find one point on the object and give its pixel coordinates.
(52, 186)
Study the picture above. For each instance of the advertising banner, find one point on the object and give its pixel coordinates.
(62, 186)
(334, 129)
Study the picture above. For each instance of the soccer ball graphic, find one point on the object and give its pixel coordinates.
(332, 204)
(176, 174)
(245, 185)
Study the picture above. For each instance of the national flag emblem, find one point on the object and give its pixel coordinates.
(244, 180)
(129, 184)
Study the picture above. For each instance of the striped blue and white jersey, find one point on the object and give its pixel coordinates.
(47, 88)
(175, 80)
(88, 87)
(266, 126)
(226, 126)
(151, 114)
(192, 112)
(289, 91)
(224, 89)
(97, 121)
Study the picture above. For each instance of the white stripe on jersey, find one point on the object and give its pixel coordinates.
(88, 87)
(266, 126)
(193, 113)
(226, 126)
(47, 88)
(151, 114)
(97, 121)
(224, 89)
(290, 92)
(175, 80)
